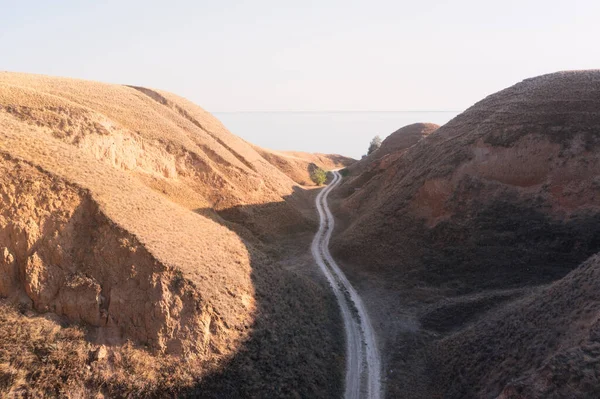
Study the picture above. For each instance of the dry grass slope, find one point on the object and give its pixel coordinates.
(503, 198)
(114, 213)
(393, 147)
(299, 165)
(546, 345)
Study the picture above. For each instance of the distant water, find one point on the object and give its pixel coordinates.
(346, 133)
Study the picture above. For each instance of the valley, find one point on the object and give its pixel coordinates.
(363, 364)
(146, 251)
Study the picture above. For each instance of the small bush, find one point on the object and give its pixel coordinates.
(318, 176)
(374, 145)
(345, 172)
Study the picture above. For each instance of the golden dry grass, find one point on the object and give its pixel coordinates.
(40, 357)
(298, 166)
(45, 127)
(147, 165)
(153, 133)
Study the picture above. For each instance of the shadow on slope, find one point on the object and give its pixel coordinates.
(545, 345)
(296, 345)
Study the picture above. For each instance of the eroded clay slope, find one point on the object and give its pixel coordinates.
(85, 240)
(61, 254)
(299, 166)
(507, 193)
(171, 144)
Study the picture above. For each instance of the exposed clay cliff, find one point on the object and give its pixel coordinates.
(132, 218)
(512, 179)
(62, 254)
(459, 238)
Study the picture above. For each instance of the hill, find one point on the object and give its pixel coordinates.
(520, 165)
(136, 234)
(450, 240)
(392, 147)
(404, 138)
(544, 345)
(299, 166)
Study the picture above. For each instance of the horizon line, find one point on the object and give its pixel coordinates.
(326, 111)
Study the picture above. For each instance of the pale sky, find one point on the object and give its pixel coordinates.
(304, 55)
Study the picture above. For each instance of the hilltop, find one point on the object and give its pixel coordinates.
(299, 166)
(139, 235)
(466, 225)
(392, 147)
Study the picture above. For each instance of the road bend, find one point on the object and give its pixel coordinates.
(363, 364)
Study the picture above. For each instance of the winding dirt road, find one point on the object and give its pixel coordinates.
(363, 364)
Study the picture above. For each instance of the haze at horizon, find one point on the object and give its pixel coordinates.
(341, 132)
(326, 55)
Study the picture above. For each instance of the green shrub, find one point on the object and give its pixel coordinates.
(319, 176)
(345, 172)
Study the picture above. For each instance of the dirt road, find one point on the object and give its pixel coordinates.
(363, 364)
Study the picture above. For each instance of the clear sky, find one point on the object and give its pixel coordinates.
(304, 55)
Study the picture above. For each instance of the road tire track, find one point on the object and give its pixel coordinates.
(363, 364)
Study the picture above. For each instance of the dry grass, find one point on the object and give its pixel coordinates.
(544, 345)
(140, 162)
(298, 166)
(504, 196)
(40, 357)
(169, 138)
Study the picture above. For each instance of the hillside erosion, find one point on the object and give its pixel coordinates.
(506, 193)
(87, 241)
(132, 218)
(392, 147)
(453, 243)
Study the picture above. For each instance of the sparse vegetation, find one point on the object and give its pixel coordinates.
(41, 358)
(374, 145)
(55, 135)
(299, 165)
(495, 205)
(318, 176)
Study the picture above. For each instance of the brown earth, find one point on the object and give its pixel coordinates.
(404, 138)
(299, 166)
(450, 241)
(141, 252)
(392, 147)
(546, 345)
